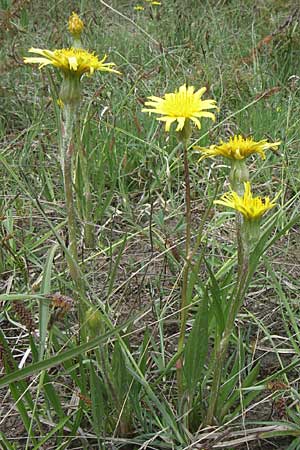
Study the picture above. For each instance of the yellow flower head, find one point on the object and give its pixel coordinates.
(75, 25)
(72, 61)
(251, 207)
(138, 8)
(237, 148)
(156, 3)
(180, 106)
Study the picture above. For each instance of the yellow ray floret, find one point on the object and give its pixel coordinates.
(251, 207)
(237, 148)
(75, 24)
(72, 61)
(180, 106)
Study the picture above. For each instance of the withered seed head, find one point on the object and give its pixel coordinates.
(24, 315)
(62, 301)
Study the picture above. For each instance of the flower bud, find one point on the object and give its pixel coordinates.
(93, 320)
(75, 25)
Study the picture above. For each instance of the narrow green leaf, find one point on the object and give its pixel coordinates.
(98, 408)
(116, 265)
(264, 243)
(152, 400)
(16, 393)
(217, 297)
(44, 302)
(248, 382)
(228, 386)
(142, 362)
(194, 275)
(6, 445)
(76, 424)
(293, 415)
(51, 433)
(50, 392)
(11, 367)
(295, 445)
(196, 348)
(119, 370)
(291, 320)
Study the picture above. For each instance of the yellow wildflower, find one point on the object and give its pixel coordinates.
(138, 8)
(75, 25)
(237, 148)
(156, 3)
(181, 106)
(251, 207)
(72, 61)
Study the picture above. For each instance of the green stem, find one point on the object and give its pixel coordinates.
(72, 256)
(184, 297)
(187, 202)
(240, 245)
(67, 151)
(236, 303)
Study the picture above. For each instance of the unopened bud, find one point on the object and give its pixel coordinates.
(75, 25)
(93, 320)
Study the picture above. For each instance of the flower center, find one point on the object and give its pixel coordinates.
(180, 105)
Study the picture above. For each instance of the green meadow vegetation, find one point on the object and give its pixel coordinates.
(150, 270)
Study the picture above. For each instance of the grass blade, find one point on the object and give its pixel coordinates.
(196, 348)
(44, 302)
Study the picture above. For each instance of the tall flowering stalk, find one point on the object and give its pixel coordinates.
(252, 209)
(73, 63)
(75, 27)
(184, 106)
(249, 211)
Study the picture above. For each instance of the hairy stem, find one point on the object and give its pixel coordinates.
(67, 151)
(72, 255)
(184, 298)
